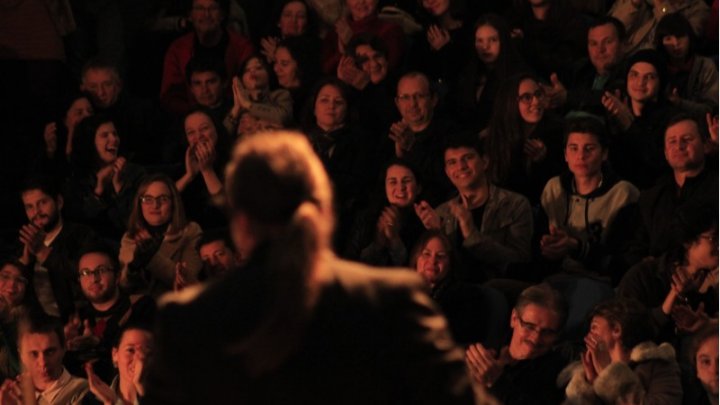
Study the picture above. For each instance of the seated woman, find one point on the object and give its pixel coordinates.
(523, 138)
(693, 79)
(206, 156)
(293, 18)
(160, 245)
(251, 93)
(494, 60)
(14, 302)
(103, 183)
(342, 148)
(129, 354)
(59, 135)
(700, 385)
(383, 234)
(296, 68)
(475, 313)
(681, 285)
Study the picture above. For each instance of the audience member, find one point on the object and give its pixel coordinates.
(524, 371)
(51, 247)
(218, 255)
(700, 385)
(159, 248)
(208, 83)
(293, 18)
(15, 302)
(296, 68)
(209, 39)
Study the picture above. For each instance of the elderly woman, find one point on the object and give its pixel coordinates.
(159, 248)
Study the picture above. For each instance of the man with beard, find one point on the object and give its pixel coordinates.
(91, 333)
(50, 247)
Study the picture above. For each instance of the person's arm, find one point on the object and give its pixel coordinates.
(278, 109)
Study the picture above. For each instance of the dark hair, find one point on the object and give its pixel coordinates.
(84, 154)
(141, 326)
(605, 20)
(201, 64)
(654, 58)
(368, 39)
(48, 186)
(223, 4)
(272, 81)
(560, 10)
(280, 186)
(587, 125)
(686, 116)
(456, 9)
(103, 248)
(418, 74)
(509, 58)
(677, 25)
(424, 239)
(543, 295)
(465, 139)
(100, 64)
(43, 324)
(630, 315)
(215, 234)
(309, 121)
(708, 331)
(311, 29)
(689, 222)
(305, 53)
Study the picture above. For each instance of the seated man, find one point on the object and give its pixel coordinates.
(208, 39)
(217, 254)
(207, 81)
(42, 347)
(491, 227)
(50, 247)
(621, 363)
(582, 205)
(524, 371)
(91, 333)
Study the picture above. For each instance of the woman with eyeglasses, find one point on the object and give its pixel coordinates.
(523, 138)
(103, 182)
(158, 251)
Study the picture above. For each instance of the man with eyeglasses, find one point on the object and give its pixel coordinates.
(524, 371)
(209, 39)
(50, 247)
(418, 137)
(91, 332)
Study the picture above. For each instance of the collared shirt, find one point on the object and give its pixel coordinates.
(61, 390)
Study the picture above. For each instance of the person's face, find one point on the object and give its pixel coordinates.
(157, 204)
(206, 88)
(12, 285)
(103, 85)
(604, 332)
(255, 76)
(42, 356)
(535, 330)
(677, 47)
(706, 360)
(436, 7)
(41, 209)
(293, 19)
(584, 154)
(135, 346)
(372, 62)
(531, 101)
(79, 109)
(107, 143)
(703, 252)
(330, 108)
(433, 263)
(199, 128)
(487, 44)
(465, 167)
(360, 9)
(684, 147)
(414, 100)
(218, 257)
(401, 187)
(286, 69)
(97, 277)
(206, 16)
(604, 47)
(643, 82)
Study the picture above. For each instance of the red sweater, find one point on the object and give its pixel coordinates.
(175, 94)
(390, 34)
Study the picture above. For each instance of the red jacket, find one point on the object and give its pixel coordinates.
(174, 92)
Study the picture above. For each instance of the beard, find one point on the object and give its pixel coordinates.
(103, 296)
(52, 221)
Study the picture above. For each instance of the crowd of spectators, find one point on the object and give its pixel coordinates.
(553, 163)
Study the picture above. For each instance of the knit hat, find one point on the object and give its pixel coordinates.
(654, 58)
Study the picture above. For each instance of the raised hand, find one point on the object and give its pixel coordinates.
(618, 109)
(50, 136)
(103, 176)
(350, 74)
(437, 37)
(389, 224)
(427, 215)
(600, 355)
(687, 320)
(84, 340)
(463, 215)
(403, 137)
(269, 45)
(118, 170)
(712, 124)
(344, 33)
(555, 93)
(483, 364)
(557, 244)
(10, 392)
(535, 150)
(99, 388)
(205, 156)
